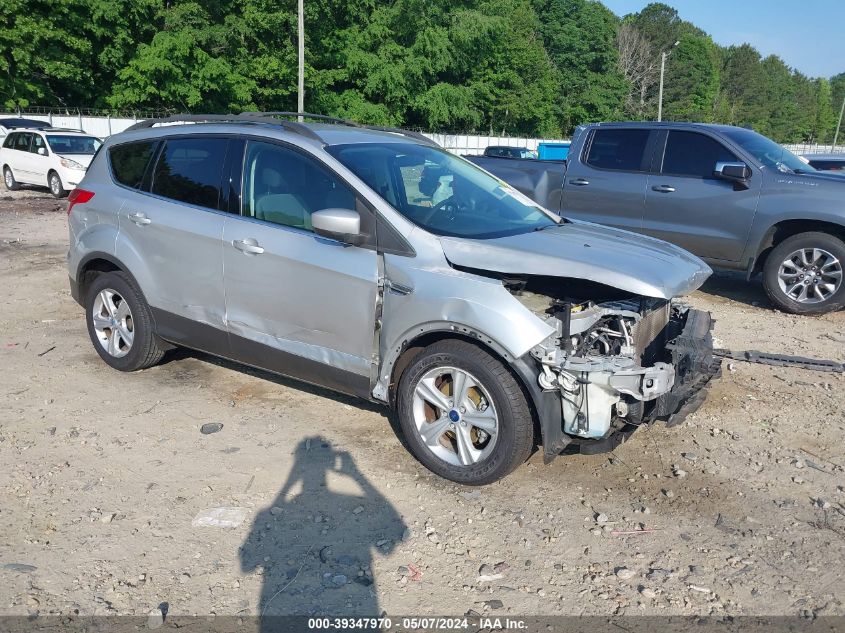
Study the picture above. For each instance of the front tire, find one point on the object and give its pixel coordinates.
(464, 414)
(9, 179)
(120, 323)
(804, 274)
(54, 181)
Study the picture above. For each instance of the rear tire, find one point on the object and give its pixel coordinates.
(120, 323)
(804, 274)
(54, 182)
(9, 179)
(483, 428)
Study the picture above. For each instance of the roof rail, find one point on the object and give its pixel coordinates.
(339, 121)
(291, 126)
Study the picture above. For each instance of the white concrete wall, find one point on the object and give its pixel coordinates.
(471, 144)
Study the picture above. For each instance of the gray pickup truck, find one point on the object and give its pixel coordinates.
(731, 196)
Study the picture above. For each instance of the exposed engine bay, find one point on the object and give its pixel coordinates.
(618, 360)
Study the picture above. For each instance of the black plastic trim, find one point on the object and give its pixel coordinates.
(546, 405)
(207, 338)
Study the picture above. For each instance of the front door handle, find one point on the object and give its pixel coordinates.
(580, 182)
(140, 219)
(663, 188)
(249, 246)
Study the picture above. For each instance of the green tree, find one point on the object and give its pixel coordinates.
(580, 38)
(44, 53)
(692, 80)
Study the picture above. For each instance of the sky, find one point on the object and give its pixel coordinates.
(808, 35)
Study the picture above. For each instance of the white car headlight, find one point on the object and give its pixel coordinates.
(71, 164)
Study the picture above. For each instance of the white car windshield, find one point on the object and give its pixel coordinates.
(443, 193)
(64, 144)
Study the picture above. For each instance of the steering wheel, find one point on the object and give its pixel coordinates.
(449, 206)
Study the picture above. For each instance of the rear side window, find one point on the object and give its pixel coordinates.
(129, 162)
(694, 155)
(621, 150)
(22, 141)
(190, 169)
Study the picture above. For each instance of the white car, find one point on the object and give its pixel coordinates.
(53, 157)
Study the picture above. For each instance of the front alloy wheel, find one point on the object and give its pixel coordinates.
(455, 416)
(463, 413)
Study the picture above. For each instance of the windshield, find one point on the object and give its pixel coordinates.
(765, 150)
(73, 144)
(442, 193)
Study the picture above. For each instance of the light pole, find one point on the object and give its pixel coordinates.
(300, 102)
(663, 56)
(838, 125)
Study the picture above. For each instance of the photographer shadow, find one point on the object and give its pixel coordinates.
(314, 546)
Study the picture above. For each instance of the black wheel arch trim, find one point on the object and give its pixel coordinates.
(95, 255)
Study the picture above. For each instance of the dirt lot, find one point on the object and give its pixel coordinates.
(102, 475)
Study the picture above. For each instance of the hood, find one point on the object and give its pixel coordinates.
(82, 159)
(628, 261)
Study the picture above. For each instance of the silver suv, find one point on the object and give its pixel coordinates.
(372, 262)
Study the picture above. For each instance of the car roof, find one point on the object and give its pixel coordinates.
(326, 131)
(670, 124)
(13, 122)
(57, 130)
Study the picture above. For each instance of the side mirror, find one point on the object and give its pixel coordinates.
(736, 172)
(42, 151)
(343, 225)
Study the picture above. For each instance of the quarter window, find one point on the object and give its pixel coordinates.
(10, 141)
(284, 187)
(618, 149)
(190, 170)
(129, 162)
(694, 155)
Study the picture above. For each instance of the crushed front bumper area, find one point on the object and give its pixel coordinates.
(688, 354)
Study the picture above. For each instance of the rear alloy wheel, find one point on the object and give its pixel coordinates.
(120, 323)
(9, 179)
(463, 414)
(56, 187)
(804, 274)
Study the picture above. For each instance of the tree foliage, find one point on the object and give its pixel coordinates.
(536, 67)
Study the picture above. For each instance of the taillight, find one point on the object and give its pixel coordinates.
(78, 196)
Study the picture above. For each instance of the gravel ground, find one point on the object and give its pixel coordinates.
(104, 479)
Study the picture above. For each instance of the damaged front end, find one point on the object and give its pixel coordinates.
(616, 360)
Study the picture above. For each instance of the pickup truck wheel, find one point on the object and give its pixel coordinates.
(120, 324)
(803, 274)
(463, 414)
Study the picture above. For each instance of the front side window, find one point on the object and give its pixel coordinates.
(37, 143)
(129, 162)
(442, 193)
(62, 144)
(766, 151)
(617, 149)
(284, 187)
(693, 154)
(190, 170)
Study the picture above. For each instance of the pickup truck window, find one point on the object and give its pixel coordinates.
(765, 150)
(442, 193)
(619, 149)
(693, 154)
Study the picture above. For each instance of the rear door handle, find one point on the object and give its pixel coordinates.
(140, 219)
(579, 182)
(663, 188)
(248, 245)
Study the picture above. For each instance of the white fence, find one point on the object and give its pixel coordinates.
(463, 144)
